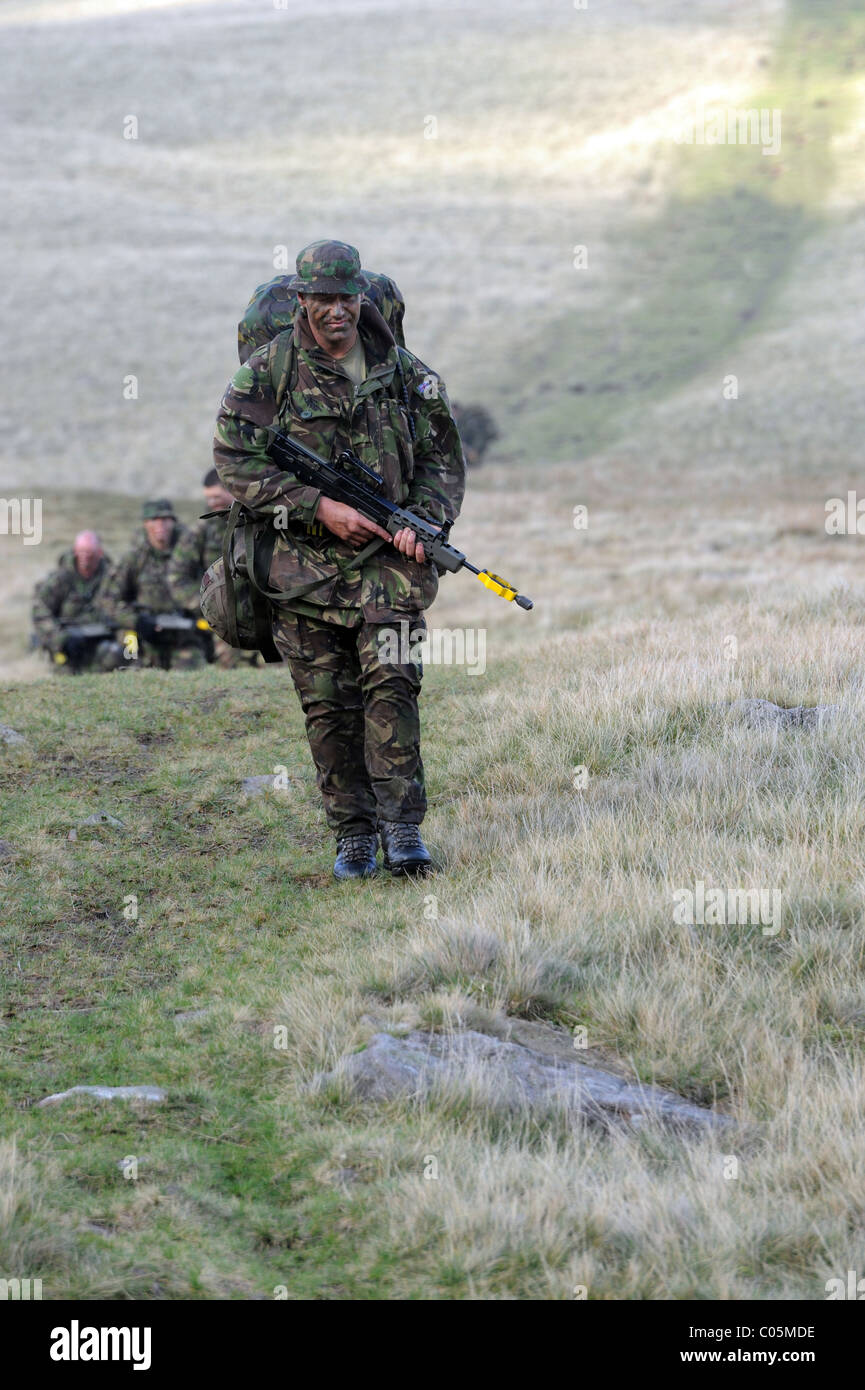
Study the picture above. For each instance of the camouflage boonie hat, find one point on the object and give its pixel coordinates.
(329, 267)
(161, 507)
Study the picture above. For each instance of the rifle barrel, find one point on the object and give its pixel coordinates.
(310, 467)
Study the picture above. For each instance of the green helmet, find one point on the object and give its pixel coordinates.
(329, 267)
(161, 507)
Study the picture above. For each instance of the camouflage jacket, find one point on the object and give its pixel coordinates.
(139, 582)
(292, 383)
(67, 597)
(194, 553)
(273, 306)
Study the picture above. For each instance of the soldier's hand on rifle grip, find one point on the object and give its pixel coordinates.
(347, 523)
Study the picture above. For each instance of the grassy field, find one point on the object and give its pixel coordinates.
(554, 904)
(704, 573)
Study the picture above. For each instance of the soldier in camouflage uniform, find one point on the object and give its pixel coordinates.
(273, 306)
(68, 602)
(137, 591)
(193, 554)
(477, 431)
(337, 379)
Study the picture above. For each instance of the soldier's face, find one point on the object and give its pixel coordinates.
(87, 559)
(333, 320)
(217, 497)
(159, 529)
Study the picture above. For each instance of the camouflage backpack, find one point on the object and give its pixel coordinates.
(273, 306)
(232, 599)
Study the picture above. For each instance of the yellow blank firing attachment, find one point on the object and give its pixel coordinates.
(502, 587)
(202, 624)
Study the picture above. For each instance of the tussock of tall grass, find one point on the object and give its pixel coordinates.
(31, 1244)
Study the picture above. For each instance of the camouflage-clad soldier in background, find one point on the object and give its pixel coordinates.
(337, 380)
(67, 610)
(273, 306)
(194, 553)
(136, 592)
(477, 431)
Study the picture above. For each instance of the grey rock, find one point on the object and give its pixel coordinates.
(257, 786)
(8, 735)
(505, 1074)
(7, 849)
(553, 1041)
(152, 1093)
(191, 1016)
(103, 818)
(762, 714)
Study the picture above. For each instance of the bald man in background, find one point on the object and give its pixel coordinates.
(68, 619)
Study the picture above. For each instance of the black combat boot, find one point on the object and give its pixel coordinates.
(355, 856)
(404, 850)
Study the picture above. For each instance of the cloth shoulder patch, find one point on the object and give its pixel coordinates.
(428, 386)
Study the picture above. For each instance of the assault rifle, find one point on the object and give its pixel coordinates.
(79, 641)
(348, 480)
(179, 622)
(88, 632)
(171, 630)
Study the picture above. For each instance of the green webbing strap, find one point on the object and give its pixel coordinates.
(262, 613)
(230, 597)
(411, 423)
(361, 558)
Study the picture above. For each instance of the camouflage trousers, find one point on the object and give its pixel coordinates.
(362, 719)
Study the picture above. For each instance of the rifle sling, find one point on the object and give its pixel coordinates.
(230, 596)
